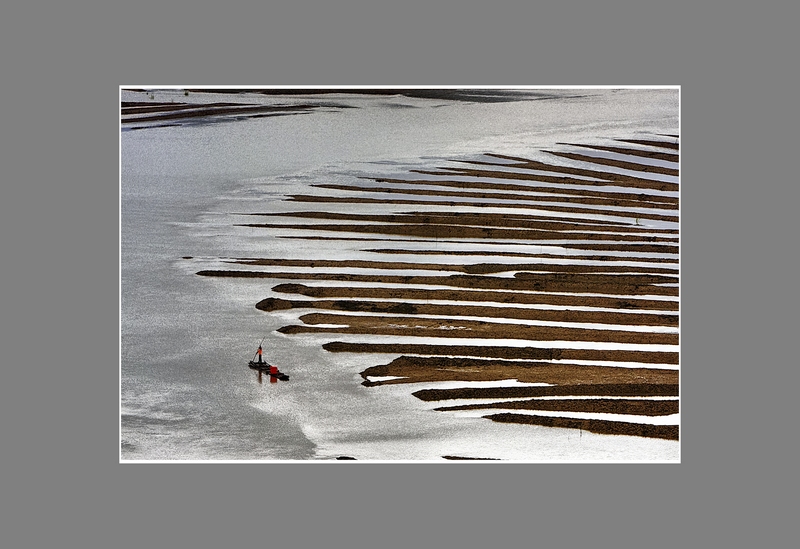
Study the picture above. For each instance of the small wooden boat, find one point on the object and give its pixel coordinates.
(265, 367)
(268, 369)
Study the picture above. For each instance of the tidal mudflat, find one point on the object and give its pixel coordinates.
(569, 294)
(444, 274)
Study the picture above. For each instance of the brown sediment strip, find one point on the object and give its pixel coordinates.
(416, 369)
(607, 178)
(145, 108)
(652, 143)
(576, 257)
(396, 307)
(624, 247)
(632, 247)
(509, 204)
(615, 202)
(221, 110)
(468, 458)
(544, 282)
(588, 389)
(629, 151)
(480, 268)
(468, 329)
(550, 224)
(600, 426)
(507, 353)
(597, 406)
(612, 195)
(616, 163)
(461, 231)
(631, 304)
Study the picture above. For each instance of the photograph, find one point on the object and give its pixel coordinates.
(406, 274)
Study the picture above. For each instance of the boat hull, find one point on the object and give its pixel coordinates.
(265, 367)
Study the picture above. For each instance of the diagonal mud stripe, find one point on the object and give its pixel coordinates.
(652, 143)
(480, 268)
(416, 369)
(599, 406)
(550, 197)
(453, 203)
(478, 219)
(506, 353)
(555, 190)
(589, 389)
(458, 310)
(616, 163)
(630, 304)
(462, 231)
(244, 109)
(532, 283)
(490, 253)
(600, 426)
(668, 157)
(607, 178)
(460, 328)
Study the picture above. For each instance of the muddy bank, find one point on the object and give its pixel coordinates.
(459, 328)
(604, 258)
(551, 197)
(454, 203)
(433, 230)
(629, 151)
(542, 223)
(642, 199)
(190, 110)
(600, 426)
(600, 284)
(590, 389)
(475, 268)
(412, 369)
(402, 294)
(508, 353)
(595, 406)
(396, 307)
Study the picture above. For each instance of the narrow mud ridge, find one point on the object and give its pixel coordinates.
(466, 296)
(589, 389)
(414, 369)
(542, 282)
(187, 110)
(462, 203)
(460, 328)
(551, 197)
(566, 193)
(600, 426)
(606, 178)
(630, 152)
(507, 353)
(457, 310)
(479, 268)
(597, 406)
(543, 223)
(617, 163)
(604, 258)
(463, 231)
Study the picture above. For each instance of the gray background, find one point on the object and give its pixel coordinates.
(62, 485)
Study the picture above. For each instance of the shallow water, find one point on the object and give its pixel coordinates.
(185, 390)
